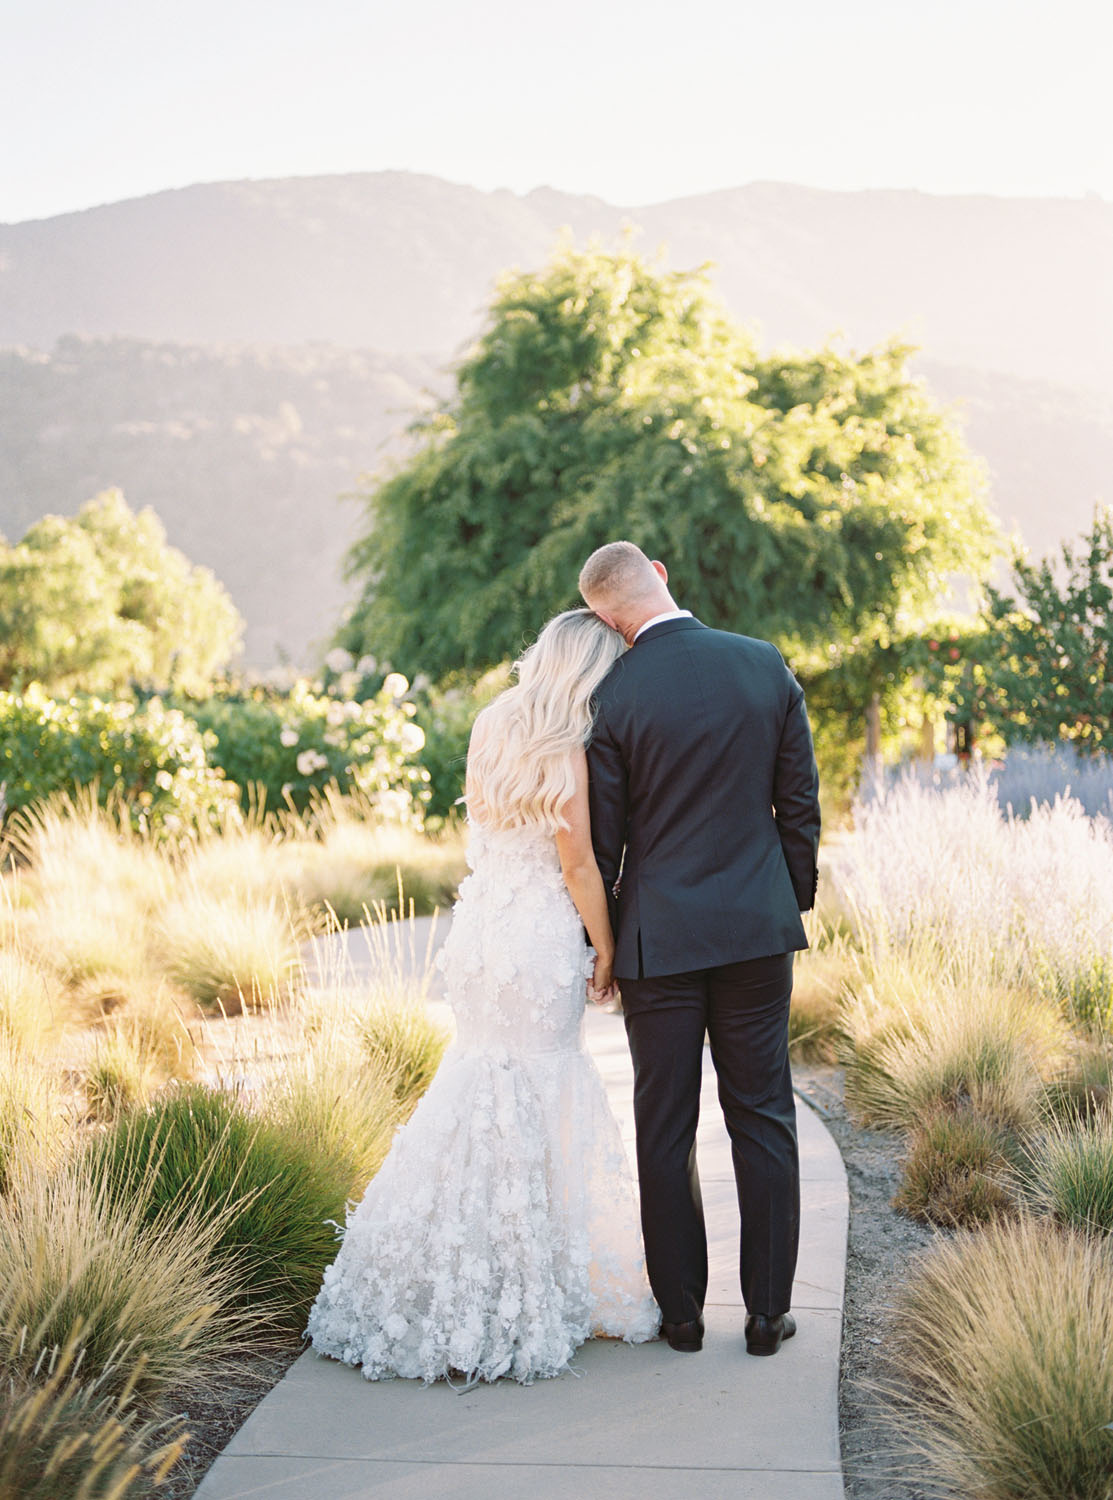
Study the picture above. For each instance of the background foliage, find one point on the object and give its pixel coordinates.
(817, 499)
(291, 745)
(1047, 672)
(154, 757)
(100, 602)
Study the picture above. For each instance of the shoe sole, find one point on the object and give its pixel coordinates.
(683, 1346)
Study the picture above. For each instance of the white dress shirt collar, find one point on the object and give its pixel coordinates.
(670, 614)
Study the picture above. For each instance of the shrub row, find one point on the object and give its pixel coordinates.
(202, 762)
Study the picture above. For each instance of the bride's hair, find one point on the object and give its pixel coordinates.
(520, 758)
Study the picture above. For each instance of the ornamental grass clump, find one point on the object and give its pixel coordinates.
(153, 1305)
(226, 954)
(405, 1045)
(272, 1188)
(243, 865)
(92, 884)
(959, 1171)
(820, 975)
(329, 1095)
(1085, 1082)
(121, 1072)
(354, 864)
(1004, 900)
(1069, 1172)
(61, 1436)
(1005, 1380)
(141, 1040)
(990, 1052)
(33, 1123)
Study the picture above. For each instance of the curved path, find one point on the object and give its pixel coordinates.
(630, 1423)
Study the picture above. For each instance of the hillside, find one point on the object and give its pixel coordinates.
(237, 354)
(243, 452)
(404, 263)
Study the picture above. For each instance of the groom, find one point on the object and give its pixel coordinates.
(705, 821)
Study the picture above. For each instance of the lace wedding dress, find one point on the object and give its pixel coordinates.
(501, 1231)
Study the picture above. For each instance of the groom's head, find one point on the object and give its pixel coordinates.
(624, 587)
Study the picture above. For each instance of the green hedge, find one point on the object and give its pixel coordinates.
(197, 761)
(152, 755)
(294, 744)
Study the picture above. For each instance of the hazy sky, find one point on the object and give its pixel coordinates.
(636, 100)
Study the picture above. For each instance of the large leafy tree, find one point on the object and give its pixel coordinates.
(100, 602)
(819, 499)
(1046, 669)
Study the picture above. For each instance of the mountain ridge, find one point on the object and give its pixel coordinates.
(404, 262)
(238, 354)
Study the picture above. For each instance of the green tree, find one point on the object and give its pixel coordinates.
(99, 602)
(817, 499)
(1047, 669)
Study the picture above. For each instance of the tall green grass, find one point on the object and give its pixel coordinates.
(1006, 1386)
(405, 1046)
(271, 1186)
(1069, 1172)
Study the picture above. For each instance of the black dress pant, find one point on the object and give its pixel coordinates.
(743, 1008)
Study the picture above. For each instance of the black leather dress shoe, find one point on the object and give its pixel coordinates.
(687, 1338)
(766, 1335)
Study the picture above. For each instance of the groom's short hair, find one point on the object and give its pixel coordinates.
(617, 573)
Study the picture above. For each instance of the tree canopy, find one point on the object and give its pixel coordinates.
(98, 602)
(819, 499)
(1047, 653)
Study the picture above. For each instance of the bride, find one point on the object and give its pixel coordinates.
(502, 1230)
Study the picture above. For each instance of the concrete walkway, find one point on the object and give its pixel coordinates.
(630, 1423)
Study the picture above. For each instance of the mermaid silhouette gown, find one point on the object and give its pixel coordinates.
(502, 1229)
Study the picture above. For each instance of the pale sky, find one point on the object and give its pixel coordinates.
(635, 100)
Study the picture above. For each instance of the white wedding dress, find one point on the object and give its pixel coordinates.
(502, 1229)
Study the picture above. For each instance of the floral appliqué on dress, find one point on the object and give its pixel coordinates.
(502, 1229)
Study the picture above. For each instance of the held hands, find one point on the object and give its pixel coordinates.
(601, 987)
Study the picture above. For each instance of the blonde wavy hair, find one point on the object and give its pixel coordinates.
(520, 758)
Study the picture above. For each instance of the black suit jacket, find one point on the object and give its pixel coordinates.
(704, 792)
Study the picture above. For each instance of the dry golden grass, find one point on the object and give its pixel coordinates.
(62, 1436)
(154, 1307)
(32, 1003)
(90, 888)
(959, 1171)
(1006, 1381)
(939, 1046)
(354, 865)
(223, 953)
(820, 977)
(33, 1120)
(1084, 1084)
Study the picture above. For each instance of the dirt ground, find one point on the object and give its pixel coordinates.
(881, 1245)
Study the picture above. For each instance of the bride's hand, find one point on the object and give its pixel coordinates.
(602, 972)
(601, 986)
